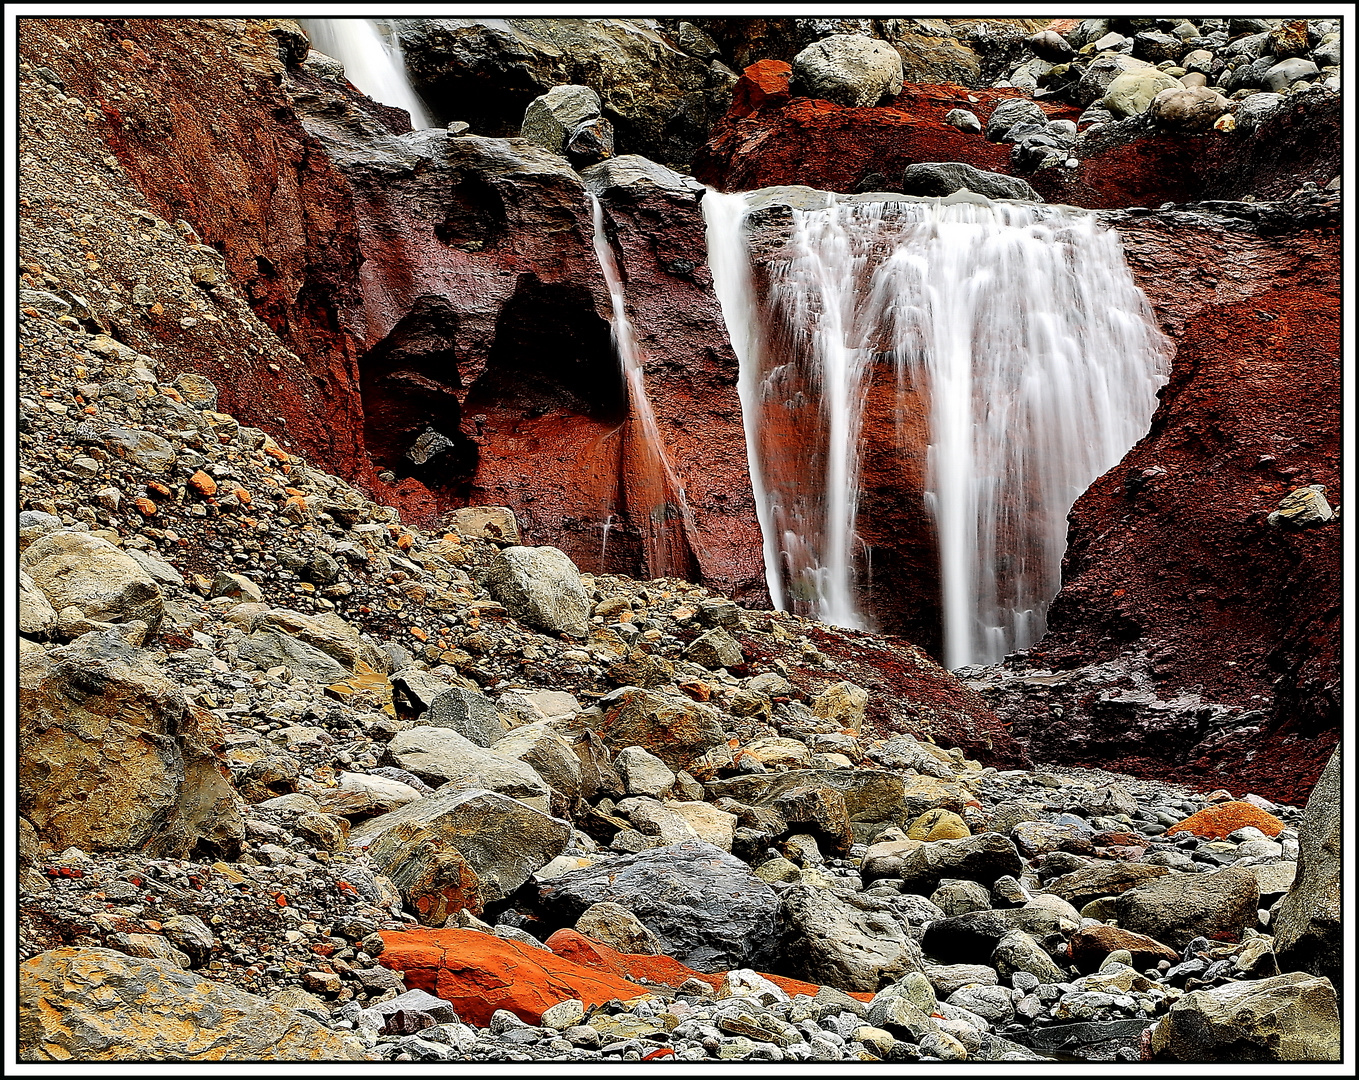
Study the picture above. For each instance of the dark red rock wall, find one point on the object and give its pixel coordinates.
(194, 112)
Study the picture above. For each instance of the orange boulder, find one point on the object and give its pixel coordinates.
(478, 973)
(1218, 822)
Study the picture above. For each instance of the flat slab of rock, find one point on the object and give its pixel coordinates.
(88, 1005)
(705, 906)
(439, 755)
(1079, 887)
(478, 973)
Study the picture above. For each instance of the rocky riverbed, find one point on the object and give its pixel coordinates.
(316, 767)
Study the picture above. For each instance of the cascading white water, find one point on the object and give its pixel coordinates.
(372, 59)
(659, 506)
(1022, 328)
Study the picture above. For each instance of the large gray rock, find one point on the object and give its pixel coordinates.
(1287, 72)
(542, 587)
(269, 649)
(441, 756)
(1101, 72)
(470, 713)
(618, 928)
(544, 751)
(1287, 1018)
(1189, 108)
(78, 569)
(111, 758)
(1079, 887)
(1307, 925)
(828, 940)
(705, 906)
(551, 119)
(1132, 92)
(1179, 907)
(634, 176)
(327, 632)
(848, 69)
(144, 448)
(945, 177)
(873, 798)
(1012, 112)
(715, 649)
(975, 858)
(92, 1005)
(502, 839)
(414, 690)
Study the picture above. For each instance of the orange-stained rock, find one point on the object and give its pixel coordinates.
(1090, 946)
(763, 82)
(202, 483)
(478, 973)
(144, 506)
(1218, 822)
(658, 969)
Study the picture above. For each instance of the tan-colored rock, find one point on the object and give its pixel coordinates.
(111, 756)
(90, 1005)
(1287, 1018)
(544, 751)
(37, 617)
(774, 751)
(432, 876)
(676, 730)
(486, 523)
(75, 569)
(711, 824)
(618, 928)
(844, 703)
(938, 825)
(327, 632)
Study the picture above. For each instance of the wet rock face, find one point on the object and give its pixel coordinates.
(1171, 558)
(486, 324)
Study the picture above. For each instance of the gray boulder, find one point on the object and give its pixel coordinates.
(829, 940)
(87, 572)
(1307, 925)
(705, 906)
(552, 119)
(544, 751)
(715, 649)
(945, 177)
(269, 649)
(1013, 112)
(1178, 907)
(1287, 72)
(540, 586)
(1287, 1018)
(441, 756)
(974, 858)
(143, 448)
(634, 176)
(502, 839)
(470, 713)
(848, 69)
(973, 938)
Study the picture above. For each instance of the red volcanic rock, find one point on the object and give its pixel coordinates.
(478, 973)
(193, 111)
(1219, 822)
(1173, 575)
(658, 969)
(1090, 946)
(830, 147)
(764, 82)
(486, 327)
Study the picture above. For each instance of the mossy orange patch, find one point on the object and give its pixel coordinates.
(1219, 822)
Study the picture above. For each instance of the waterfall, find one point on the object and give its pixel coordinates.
(372, 59)
(1019, 329)
(655, 497)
